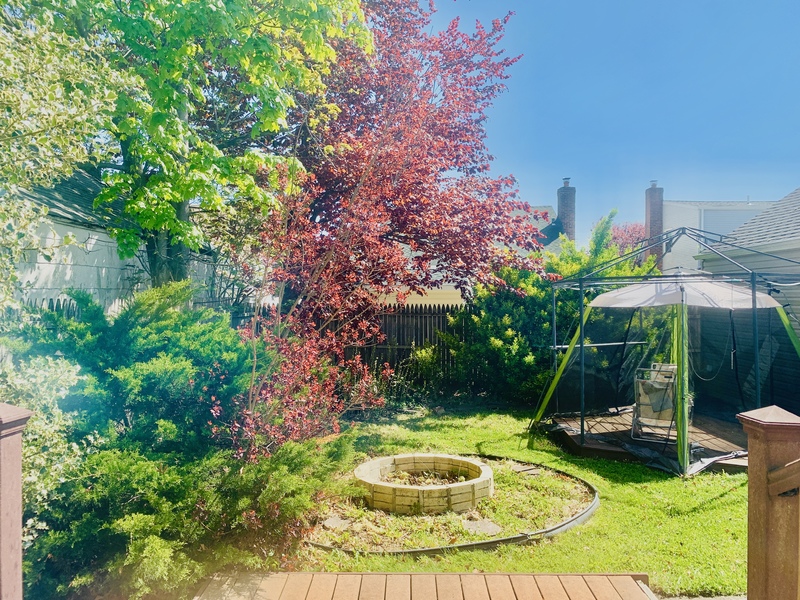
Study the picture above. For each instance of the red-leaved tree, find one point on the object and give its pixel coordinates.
(394, 197)
(627, 235)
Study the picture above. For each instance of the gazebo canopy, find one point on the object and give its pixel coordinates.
(689, 291)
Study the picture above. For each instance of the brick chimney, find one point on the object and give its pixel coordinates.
(566, 208)
(654, 216)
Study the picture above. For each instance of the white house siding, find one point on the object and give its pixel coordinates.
(714, 217)
(91, 265)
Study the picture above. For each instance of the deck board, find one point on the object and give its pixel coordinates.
(500, 587)
(602, 588)
(606, 434)
(525, 587)
(398, 586)
(373, 586)
(627, 588)
(474, 586)
(322, 586)
(422, 586)
(270, 588)
(551, 588)
(347, 587)
(448, 587)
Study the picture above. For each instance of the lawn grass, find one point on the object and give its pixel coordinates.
(689, 535)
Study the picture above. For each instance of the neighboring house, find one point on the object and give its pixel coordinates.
(774, 231)
(557, 223)
(763, 242)
(712, 216)
(92, 264)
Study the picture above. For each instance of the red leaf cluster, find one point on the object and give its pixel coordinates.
(627, 235)
(303, 387)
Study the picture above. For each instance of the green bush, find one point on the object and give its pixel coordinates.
(147, 525)
(504, 343)
(159, 502)
(49, 456)
(157, 367)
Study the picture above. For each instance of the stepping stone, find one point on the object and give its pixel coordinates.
(336, 522)
(483, 526)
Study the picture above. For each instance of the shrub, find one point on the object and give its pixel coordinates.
(147, 525)
(155, 371)
(505, 347)
(49, 458)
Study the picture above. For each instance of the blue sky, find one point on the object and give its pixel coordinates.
(701, 95)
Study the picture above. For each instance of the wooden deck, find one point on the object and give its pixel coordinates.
(607, 434)
(424, 586)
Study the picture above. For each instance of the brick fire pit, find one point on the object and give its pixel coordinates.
(399, 498)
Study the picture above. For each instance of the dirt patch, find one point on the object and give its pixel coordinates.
(423, 478)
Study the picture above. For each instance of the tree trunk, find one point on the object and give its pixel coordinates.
(167, 259)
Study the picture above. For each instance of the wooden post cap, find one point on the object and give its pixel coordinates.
(13, 419)
(771, 420)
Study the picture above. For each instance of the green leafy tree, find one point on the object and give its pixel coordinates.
(505, 347)
(56, 94)
(49, 457)
(199, 66)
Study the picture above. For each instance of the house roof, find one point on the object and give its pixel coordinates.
(550, 229)
(778, 223)
(72, 201)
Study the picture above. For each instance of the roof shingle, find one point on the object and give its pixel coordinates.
(778, 223)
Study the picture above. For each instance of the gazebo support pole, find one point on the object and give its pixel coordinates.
(583, 367)
(554, 353)
(756, 354)
(682, 396)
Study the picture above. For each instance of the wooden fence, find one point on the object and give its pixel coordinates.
(413, 327)
(405, 329)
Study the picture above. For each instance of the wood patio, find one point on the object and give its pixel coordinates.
(607, 436)
(424, 586)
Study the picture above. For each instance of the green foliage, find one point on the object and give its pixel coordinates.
(57, 93)
(20, 221)
(155, 371)
(49, 458)
(148, 525)
(158, 504)
(206, 79)
(504, 349)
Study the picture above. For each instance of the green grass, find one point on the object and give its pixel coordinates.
(689, 535)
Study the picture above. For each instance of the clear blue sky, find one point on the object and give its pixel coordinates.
(701, 95)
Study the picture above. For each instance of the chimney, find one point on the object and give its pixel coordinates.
(654, 217)
(566, 209)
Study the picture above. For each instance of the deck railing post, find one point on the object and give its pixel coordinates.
(12, 421)
(773, 520)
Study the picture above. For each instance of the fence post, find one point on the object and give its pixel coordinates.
(773, 519)
(12, 421)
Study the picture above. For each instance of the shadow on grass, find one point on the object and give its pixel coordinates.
(453, 415)
(706, 504)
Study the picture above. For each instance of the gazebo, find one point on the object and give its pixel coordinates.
(671, 296)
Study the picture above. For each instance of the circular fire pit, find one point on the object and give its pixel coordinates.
(399, 498)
